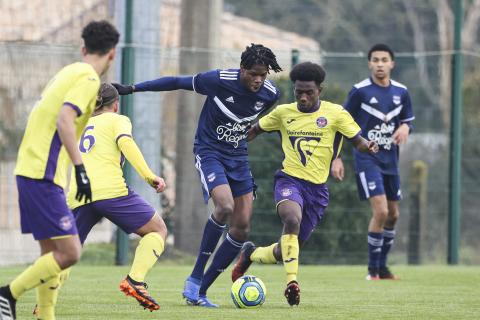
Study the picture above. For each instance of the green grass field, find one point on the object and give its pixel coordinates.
(328, 292)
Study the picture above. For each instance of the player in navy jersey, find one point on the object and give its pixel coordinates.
(382, 108)
(235, 98)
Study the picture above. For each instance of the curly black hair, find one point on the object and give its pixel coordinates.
(258, 54)
(308, 71)
(100, 37)
(380, 47)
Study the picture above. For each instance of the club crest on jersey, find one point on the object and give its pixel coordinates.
(65, 223)
(286, 192)
(259, 105)
(322, 122)
(396, 99)
(372, 185)
(211, 177)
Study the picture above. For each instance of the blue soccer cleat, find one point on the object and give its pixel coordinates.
(190, 291)
(204, 302)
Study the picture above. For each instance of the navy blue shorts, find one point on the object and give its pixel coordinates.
(43, 209)
(129, 213)
(312, 198)
(214, 171)
(373, 182)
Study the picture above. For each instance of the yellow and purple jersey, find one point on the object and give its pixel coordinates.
(41, 154)
(102, 157)
(310, 140)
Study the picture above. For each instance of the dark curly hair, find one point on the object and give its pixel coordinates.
(258, 54)
(100, 37)
(308, 71)
(380, 47)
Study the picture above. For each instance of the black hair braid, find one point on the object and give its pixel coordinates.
(258, 54)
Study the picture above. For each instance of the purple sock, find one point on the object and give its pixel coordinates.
(388, 236)
(375, 242)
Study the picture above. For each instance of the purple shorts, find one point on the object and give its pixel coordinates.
(312, 198)
(373, 182)
(43, 209)
(215, 171)
(129, 212)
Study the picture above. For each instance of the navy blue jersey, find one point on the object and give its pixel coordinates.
(379, 111)
(228, 111)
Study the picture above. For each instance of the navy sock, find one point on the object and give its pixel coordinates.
(223, 257)
(388, 236)
(211, 234)
(375, 242)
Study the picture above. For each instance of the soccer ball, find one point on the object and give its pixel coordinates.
(248, 292)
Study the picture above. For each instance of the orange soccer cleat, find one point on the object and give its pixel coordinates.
(138, 290)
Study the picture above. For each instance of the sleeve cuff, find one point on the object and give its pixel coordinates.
(74, 107)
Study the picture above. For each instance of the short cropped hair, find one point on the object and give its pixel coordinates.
(100, 37)
(308, 71)
(381, 47)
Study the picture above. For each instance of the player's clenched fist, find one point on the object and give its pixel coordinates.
(158, 184)
(123, 89)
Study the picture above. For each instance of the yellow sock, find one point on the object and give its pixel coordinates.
(290, 252)
(45, 268)
(148, 251)
(264, 255)
(47, 295)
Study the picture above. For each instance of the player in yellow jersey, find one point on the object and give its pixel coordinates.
(311, 132)
(105, 143)
(48, 147)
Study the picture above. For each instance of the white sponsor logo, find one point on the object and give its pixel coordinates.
(382, 134)
(230, 99)
(373, 100)
(372, 185)
(377, 250)
(233, 133)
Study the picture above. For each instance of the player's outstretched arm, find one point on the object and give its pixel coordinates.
(254, 131)
(364, 145)
(160, 84)
(133, 154)
(66, 131)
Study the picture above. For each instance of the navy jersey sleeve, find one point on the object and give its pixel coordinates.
(206, 83)
(354, 100)
(406, 115)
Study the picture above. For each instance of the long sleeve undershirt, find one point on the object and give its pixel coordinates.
(133, 154)
(166, 84)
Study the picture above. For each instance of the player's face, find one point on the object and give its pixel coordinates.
(253, 78)
(381, 64)
(307, 94)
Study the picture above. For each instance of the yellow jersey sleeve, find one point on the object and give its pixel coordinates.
(133, 154)
(272, 121)
(79, 96)
(122, 127)
(346, 125)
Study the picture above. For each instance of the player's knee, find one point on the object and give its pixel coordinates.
(291, 223)
(70, 257)
(223, 211)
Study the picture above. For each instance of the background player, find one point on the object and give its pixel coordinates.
(48, 145)
(235, 97)
(310, 131)
(383, 109)
(106, 139)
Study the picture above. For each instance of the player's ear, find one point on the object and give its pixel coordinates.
(111, 54)
(84, 51)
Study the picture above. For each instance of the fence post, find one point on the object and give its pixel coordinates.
(418, 206)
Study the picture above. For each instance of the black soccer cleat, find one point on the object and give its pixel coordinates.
(243, 262)
(292, 293)
(385, 274)
(7, 304)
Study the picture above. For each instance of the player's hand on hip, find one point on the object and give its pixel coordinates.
(123, 89)
(84, 190)
(338, 171)
(400, 135)
(372, 147)
(158, 184)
